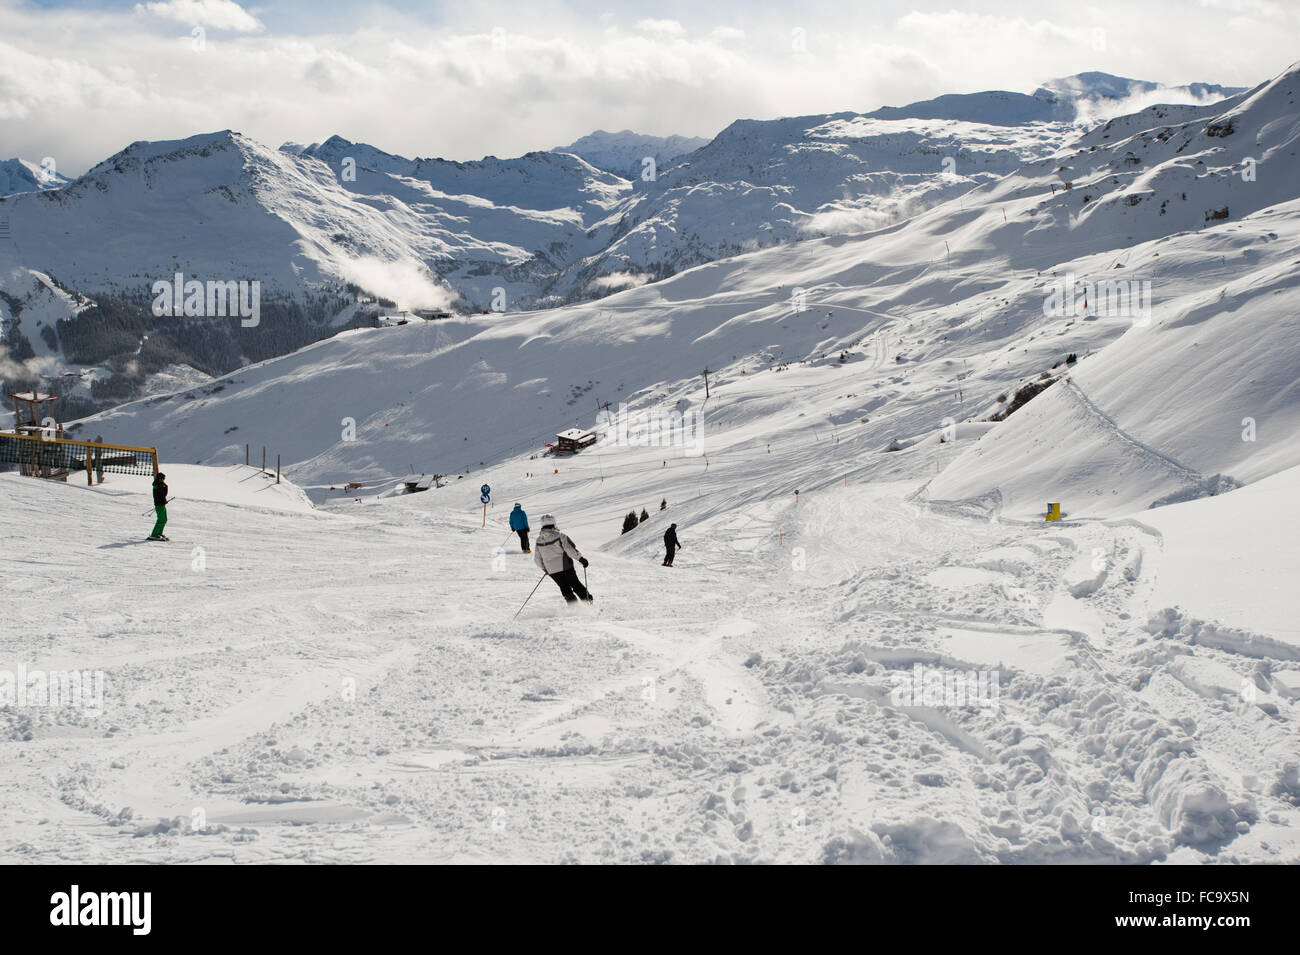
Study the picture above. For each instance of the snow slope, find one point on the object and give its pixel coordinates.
(348, 684)
(1233, 558)
(1180, 398)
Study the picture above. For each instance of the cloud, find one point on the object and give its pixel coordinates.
(1101, 110)
(406, 282)
(855, 216)
(620, 280)
(217, 14)
(28, 370)
(663, 28)
(503, 79)
(1261, 8)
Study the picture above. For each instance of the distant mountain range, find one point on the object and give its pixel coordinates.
(625, 153)
(1184, 220)
(335, 231)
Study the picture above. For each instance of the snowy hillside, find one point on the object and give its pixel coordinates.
(935, 318)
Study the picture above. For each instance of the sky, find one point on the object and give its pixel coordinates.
(81, 80)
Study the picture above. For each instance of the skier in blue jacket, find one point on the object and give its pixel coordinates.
(519, 524)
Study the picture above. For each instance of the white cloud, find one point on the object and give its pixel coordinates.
(217, 14)
(1262, 8)
(80, 84)
(727, 34)
(406, 282)
(617, 281)
(664, 28)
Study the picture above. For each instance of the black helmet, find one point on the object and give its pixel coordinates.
(159, 477)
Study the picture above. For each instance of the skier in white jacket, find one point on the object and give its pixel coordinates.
(555, 553)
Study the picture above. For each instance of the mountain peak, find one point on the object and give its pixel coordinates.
(624, 152)
(21, 175)
(1097, 85)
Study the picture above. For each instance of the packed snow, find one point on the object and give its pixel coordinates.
(350, 683)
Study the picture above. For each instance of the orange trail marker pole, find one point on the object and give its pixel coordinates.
(485, 515)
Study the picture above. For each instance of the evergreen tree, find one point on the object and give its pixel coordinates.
(644, 516)
(663, 505)
(629, 522)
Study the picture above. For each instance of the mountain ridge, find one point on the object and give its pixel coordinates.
(337, 221)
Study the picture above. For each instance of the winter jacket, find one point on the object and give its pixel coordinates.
(553, 552)
(670, 539)
(159, 493)
(518, 519)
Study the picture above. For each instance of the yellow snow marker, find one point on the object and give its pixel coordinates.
(1053, 512)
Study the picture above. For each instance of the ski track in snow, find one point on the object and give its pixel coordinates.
(737, 714)
(1190, 475)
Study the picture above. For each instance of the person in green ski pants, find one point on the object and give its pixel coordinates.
(159, 506)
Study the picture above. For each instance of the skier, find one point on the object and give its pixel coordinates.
(159, 506)
(98, 458)
(519, 524)
(555, 554)
(671, 543)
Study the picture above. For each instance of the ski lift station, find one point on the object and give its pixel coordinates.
(573, 440)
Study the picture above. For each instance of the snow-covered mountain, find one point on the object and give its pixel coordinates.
(952, 305)
(19, 175)
(321, 226)
(496, 223)
(624, 153)
(1079, 99)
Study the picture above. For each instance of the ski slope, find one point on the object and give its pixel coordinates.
(347, 684)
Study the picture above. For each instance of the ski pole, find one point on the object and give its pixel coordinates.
(165, 503)
(529, 597)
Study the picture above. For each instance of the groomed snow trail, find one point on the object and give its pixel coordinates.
(350, 687)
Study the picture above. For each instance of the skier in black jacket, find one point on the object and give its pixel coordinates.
(671, 543)
(159, 506)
